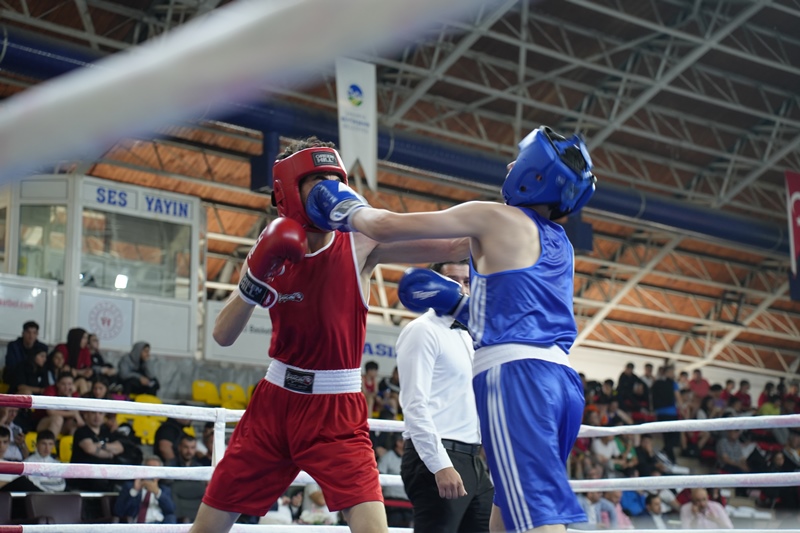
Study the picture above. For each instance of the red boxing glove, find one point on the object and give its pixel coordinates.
(282, 240)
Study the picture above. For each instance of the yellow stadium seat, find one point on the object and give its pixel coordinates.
(250, 391)
(65, 448)
(149, 398)
(145, 428)
(232, 395)
(3, 388)
(189, 430)
(30, 440)
(205, 391)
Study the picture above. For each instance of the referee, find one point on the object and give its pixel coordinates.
(443, 473)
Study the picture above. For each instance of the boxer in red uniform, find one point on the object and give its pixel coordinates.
(308, 413)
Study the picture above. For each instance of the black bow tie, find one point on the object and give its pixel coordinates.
(458, 325)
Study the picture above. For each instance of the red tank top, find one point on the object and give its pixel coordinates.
(320, 320)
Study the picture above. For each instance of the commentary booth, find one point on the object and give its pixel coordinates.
(118, 260)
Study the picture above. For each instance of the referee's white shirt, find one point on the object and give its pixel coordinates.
(435, 367)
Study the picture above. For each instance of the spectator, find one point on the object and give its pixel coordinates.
(5, 442)
(315, 510)
(648, 378)
(205, 446)
(389, 463)
(287, 510)
(77, 358)
(600, 513)
(666, 403)
(727, 392)
(744, 395)
(30, 376)
(99, 365)
(626, 381)
(607, 392)
(699, 385)
(188, 494)
(167, 437)
(134, 371)
(18, 449)
(615, 497)
(146, 501)
(369, 385)
(22, 349)
(45, 445)
(731, 455)
(719, 403)
(700, 513)
(616, 456)
(58, 420)
(766, 393)
(648, 464)
(93, 444)
(615, 415)
(55, 366)
(99, 389)
(652, 518)
(389, 396)
(771, 407)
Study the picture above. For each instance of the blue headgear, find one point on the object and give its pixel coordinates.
(551, 170)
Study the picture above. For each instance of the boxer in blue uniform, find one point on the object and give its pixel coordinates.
(520, 316)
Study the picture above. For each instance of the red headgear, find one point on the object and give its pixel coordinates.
(287, 174)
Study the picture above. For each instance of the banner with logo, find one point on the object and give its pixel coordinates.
(793, 216)
(108, 317)
(358, 118)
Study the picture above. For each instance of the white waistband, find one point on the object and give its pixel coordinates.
(490, 356)
(314, 381)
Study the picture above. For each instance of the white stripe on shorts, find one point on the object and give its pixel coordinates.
(505, 454)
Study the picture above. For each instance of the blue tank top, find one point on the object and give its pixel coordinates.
(531, 305)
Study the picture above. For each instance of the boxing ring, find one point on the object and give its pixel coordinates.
(220, 417)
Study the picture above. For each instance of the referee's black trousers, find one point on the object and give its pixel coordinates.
(432, 514)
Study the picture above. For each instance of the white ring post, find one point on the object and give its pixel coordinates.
(219, 437)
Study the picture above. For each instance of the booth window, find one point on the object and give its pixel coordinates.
(42, 241)
(135, 255)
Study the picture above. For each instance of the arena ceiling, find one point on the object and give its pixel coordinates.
(689, 100)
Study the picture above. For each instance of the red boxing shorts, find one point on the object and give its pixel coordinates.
(283, 432)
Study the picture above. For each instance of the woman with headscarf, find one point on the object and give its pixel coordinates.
(134, 372)
(78, 357)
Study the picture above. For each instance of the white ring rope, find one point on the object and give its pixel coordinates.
(203, 473)
(294, 528)
(711, 424)
(225, 54)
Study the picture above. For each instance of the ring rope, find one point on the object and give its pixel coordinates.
(294, 528)
(203, 473)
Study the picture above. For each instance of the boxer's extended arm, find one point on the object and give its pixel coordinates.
(232, 318)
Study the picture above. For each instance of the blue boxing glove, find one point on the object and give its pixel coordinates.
(420, 289)
(330, 204)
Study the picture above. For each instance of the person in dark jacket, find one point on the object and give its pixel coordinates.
(18, 351)
(146, 501)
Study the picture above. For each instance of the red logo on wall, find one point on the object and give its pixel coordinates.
(105, 320)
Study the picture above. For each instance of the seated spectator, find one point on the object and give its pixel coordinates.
(287, 510)
(315, 511)
(699, 386)
(727, 392)
(700, 513)
(617, 457)
(638, 402)
(389, 463)
(615, 497)
(30, 376)
(791, 452)
(187, 452)
(205, 446)
(22, 349)
(369, 385)
(135, 373)
(720, 403)
(766, 393)
(651, 518)
(648, 462)
(99, 365)
(617, 416)
(167, 436)
(5, 442)
(18, 449)
(146, 501)
(771, 407)
(735, 408)
(186, 493)
(55, 366)
(731, 454)
(45, 445)
(607, 392)
(683, 380)
(77, 358)
(93, 444)
(744, 395)
(99, 390)
(61, 420)
(600, 513)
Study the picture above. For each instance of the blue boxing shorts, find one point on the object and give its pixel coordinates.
(530, 413)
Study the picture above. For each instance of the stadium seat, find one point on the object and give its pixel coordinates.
(30, 440)
(232, 395)
(3, 388)
(65, 448)
(54, 507)
(149, 398)
(145, 428)
(206, 392)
